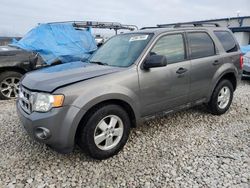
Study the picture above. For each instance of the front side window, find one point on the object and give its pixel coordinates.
(227, 41)
(201, 45)
(171, 46)
(121, 50)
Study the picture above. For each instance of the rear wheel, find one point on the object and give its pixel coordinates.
(221, 98)
(9, 84)
(105, 132)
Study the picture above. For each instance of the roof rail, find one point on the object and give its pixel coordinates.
(143, 28)
(188, 24)
(178, 25)
(100, 25)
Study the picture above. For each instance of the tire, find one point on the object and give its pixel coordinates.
(95, 128)
(9, 84)
(216, 106)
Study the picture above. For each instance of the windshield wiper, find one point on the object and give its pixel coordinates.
(98, 62)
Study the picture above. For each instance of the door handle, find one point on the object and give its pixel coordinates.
(181, 70)
(216, 62)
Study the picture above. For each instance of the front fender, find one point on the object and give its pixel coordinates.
(114, 92)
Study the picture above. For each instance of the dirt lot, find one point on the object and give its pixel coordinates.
(189, 148)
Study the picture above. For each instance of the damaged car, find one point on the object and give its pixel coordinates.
(132, 78)
(47, 45)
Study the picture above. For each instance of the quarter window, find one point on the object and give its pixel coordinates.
(171, 46)
(201, 45)
(227, 41)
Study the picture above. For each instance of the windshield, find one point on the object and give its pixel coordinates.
(121, 50)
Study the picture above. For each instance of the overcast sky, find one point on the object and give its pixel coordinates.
(19, 16)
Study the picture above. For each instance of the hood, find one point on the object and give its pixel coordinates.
(52, 78)
(13, 56)
(9, 51)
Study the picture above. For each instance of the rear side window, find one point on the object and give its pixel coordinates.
(227, 41)
(171, 46)
(201, 45)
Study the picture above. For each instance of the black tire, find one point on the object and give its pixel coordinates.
(5, 75)
(87, 131)
(213, 105)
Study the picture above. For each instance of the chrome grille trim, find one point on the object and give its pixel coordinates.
(25, 99)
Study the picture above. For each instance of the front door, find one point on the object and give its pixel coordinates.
(164, 88)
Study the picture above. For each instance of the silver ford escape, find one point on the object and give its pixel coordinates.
(131, 78)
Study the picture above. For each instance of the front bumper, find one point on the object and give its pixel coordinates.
(61, 123)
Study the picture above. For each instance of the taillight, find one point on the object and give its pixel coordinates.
(241, 61)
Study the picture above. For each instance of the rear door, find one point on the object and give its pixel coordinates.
(204, 62)
(164, 88)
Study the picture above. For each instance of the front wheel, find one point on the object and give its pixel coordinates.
(9, 84)
(221, 98)
(105, 132)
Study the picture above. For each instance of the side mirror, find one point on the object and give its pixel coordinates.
(155, 61)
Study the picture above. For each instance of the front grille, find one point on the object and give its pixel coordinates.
(25, 99)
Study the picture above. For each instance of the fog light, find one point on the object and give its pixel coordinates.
(42, 133)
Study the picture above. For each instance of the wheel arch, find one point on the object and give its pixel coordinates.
(13, 69)
(125, 105)
(228, 76)
(231, 77)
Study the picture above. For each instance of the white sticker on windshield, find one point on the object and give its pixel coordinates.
(137, 38)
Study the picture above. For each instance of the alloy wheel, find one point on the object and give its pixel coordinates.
(9, 87)
(224, 97)
(108, 132)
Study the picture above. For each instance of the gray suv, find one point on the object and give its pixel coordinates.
(133, 77)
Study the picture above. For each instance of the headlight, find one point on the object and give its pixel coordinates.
(43, 102)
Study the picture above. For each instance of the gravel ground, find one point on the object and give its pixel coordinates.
(187, 149)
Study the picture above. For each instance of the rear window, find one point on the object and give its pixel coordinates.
(201, 45)
(227, 41)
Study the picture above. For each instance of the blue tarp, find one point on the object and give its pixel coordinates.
(245, 49)
(58, 41)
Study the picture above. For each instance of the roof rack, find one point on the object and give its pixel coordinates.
(143, 28)
(178, 25)
(188, 24)
(100, 25)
